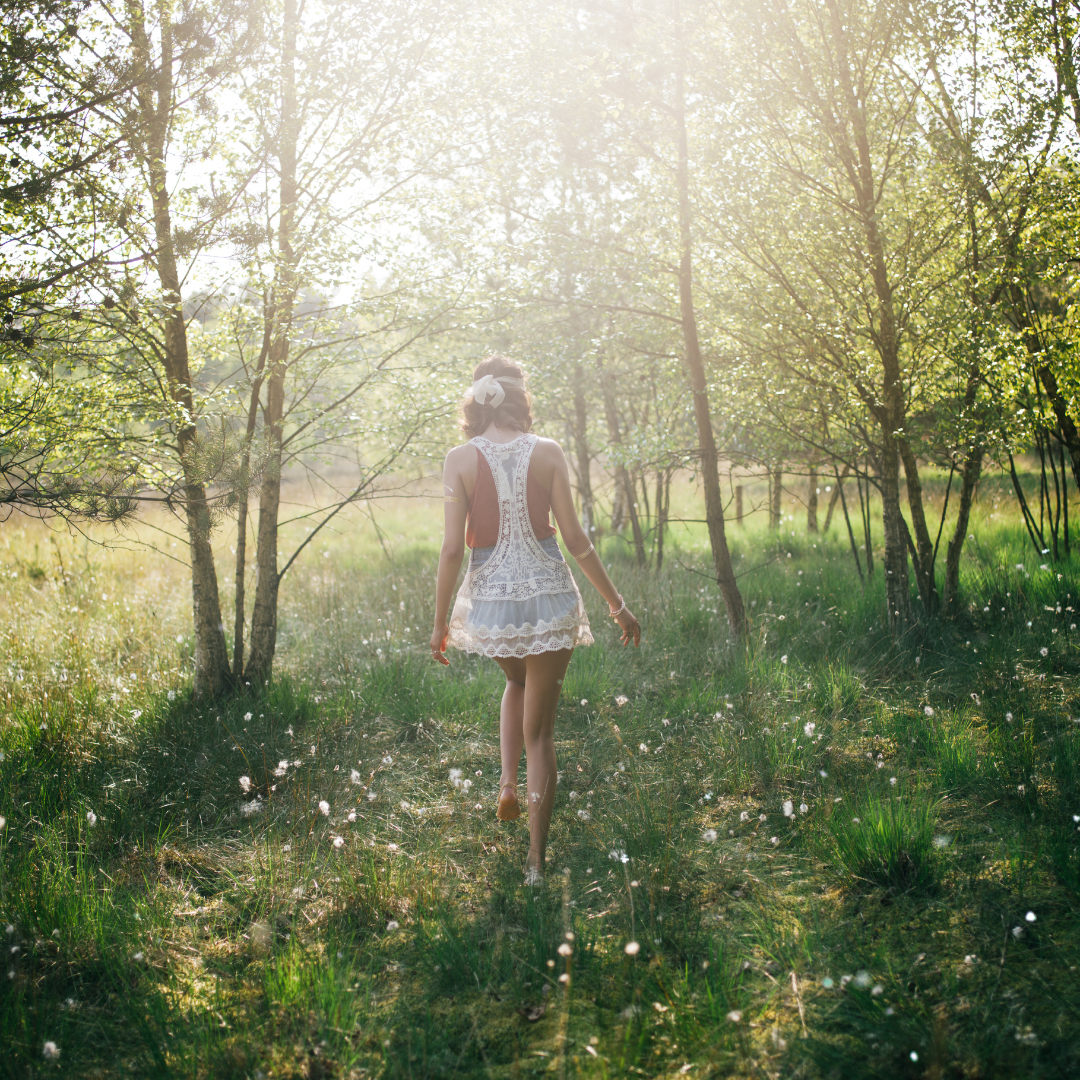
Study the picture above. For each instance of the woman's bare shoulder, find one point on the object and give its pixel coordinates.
(461, 453)
(549, 450)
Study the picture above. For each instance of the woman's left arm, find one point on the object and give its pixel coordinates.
(455, 509)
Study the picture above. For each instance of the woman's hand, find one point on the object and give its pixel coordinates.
(629, 626)
(438, 644)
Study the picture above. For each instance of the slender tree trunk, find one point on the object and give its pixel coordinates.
(156, 102)
(639, 477)
(972, 470)
(890, 412)
(924, 546)
(1034, 532)
(774, 497)
(582, 453)
(618, 508)
(1064, 497)
(896, 574)
(1069, 433)
(811, 500)
(835, 495)
(624, 482)
(1055, 525)
(710, 472)
(244, 499)
(847, 520)
(864, 517)
(264, 615)
(1044, 376)
(1044, 494)
(663, 500)
(738, 504)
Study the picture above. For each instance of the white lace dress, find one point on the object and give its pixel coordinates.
(519, 597)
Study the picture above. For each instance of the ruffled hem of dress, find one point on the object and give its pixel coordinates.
(509, 647)
(525, 640)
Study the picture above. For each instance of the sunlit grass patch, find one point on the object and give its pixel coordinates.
(885, 840)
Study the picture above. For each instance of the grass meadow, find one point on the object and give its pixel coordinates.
(818, 855)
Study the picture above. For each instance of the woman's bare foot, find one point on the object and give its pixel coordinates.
(534, 869)
(508, 809)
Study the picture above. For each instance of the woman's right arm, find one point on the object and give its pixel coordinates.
(580, 546)
(455, 509)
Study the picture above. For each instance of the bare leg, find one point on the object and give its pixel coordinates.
(543, 683)
(511, 735)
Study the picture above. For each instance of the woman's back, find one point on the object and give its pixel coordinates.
(482, 529)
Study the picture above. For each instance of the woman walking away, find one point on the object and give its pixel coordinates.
(518, 602)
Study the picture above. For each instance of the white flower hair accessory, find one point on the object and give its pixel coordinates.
(488, 389)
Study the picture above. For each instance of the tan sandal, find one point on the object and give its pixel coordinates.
(508, 809)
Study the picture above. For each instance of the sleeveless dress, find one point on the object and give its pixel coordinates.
(518, 598)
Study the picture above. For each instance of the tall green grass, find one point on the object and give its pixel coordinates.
(199, 940)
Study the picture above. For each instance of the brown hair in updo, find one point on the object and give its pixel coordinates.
(515, 413)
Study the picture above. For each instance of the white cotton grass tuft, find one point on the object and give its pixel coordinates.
(808, 728)
(744, 816)
(788, 808)
(247, 717)
(621, 700)
(91, 818)
(455, 777)
(928, 710)
(339, 841)
(50, 1051)
(631, 948)
(324, 808)
(1044, 651)
(774, 840)
(1030, 916)
(564, 949)
(735, 1016)
(253, 807)
(803, 808)
(783, 659)
(392, 925)
(388, 760)
(709, 835)
(245, 784)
